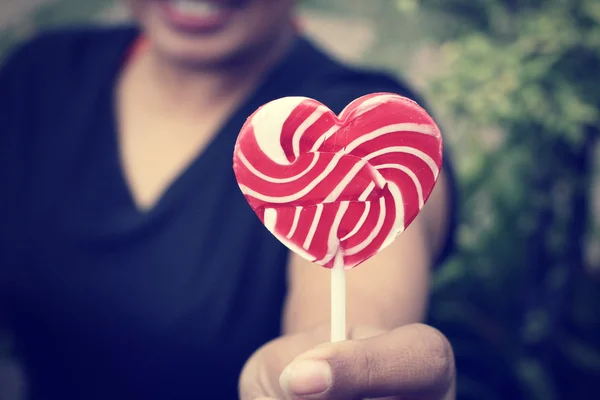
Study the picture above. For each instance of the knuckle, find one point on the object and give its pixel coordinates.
(438, 351)
(356, 367)
(367, 367)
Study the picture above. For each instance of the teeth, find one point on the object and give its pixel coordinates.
(196, 8)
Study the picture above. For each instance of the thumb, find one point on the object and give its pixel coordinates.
(411, 361)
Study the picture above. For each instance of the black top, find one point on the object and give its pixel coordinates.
(106, 301)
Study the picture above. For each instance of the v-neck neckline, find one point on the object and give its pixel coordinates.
(273, 82)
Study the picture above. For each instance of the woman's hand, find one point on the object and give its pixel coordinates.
(411, 362)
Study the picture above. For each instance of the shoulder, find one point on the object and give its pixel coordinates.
(336, 84)
(63, 51)
(74, 41)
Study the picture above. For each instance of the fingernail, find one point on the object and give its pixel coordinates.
(306, 377)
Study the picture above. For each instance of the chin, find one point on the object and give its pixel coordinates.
(200, 53)
(211, 32)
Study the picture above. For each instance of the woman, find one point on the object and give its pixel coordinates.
(131, 266)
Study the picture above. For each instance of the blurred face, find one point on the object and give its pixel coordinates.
(207, 32)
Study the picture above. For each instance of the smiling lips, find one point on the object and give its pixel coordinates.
(194, 16)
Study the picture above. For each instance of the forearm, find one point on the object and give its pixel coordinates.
(360, 311)
(387, 291)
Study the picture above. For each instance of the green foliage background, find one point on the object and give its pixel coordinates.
(516, 85)
(520, 299)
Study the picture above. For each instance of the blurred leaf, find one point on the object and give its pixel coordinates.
(536, 380)
(582, 354)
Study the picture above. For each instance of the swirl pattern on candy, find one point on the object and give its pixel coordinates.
(344, 186)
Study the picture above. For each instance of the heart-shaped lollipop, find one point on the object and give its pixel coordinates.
(338, 188)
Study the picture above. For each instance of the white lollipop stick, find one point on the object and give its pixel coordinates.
(338, 300)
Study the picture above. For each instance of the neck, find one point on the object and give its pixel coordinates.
(190, 88)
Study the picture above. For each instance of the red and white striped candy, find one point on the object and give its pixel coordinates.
(325, 185)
